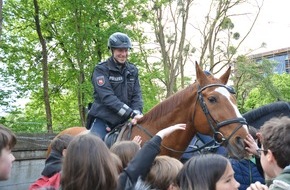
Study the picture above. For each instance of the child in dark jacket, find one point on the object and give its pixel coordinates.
(53, 164)
(247, 170)
(140, 165)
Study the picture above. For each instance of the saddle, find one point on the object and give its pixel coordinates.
(116, 134)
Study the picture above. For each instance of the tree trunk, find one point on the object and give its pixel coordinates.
(80, 61)
(1, 17)
(81, 98)
(44, 68)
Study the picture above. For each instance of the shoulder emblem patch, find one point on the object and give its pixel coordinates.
(100, 80)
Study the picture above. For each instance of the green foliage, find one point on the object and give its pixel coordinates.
(248, 74)
(227, 23)
(6, 92)
(232, 50)
(18, 122)
(148, 78)
(76, 34)
(261, 95)
(236, 35)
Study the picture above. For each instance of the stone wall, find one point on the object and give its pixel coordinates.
(30, 154)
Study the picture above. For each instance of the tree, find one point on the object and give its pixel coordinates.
(1, 17)
(44, 63)
(215, 32)
(174, 49)
(264, 93)
(217, 45)
(76, 36)
(6, 92)
(248, 74)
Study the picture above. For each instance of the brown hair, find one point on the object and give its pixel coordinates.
(88, 165)
(117, 162)
(7, 138)
(163, 172)
(276, 137)
(61, 142)
(126, 150)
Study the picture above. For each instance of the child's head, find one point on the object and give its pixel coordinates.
(7, 142)
(60, 143)
(275, 140)
(207, 172)
(88, 164)
(163, 172)
(126, 150)
(7, 138)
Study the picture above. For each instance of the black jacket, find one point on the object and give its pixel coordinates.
(140, 165)
(52, 164)
(117, 92)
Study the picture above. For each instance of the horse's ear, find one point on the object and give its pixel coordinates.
(225, 77)
(200, 76)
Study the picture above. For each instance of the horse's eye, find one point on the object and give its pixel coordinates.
(212, 99)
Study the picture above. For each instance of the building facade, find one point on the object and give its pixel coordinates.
(281, 56)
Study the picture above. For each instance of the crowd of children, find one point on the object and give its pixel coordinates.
(126, 165)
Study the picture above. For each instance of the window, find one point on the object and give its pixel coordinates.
(287, 66)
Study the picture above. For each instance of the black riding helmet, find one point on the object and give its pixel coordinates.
(119, 40)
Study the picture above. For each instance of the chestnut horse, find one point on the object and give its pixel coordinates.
(207, 106)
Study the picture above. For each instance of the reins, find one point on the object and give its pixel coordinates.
(215, 126)
(179, 151)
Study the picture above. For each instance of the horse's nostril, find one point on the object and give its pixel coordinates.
(239, 141)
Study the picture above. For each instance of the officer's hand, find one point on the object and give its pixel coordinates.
(136, 118)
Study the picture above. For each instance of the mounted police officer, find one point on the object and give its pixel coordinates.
(117, 92)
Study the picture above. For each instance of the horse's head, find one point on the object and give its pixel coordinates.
(217, 110)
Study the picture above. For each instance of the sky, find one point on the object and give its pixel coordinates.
(272, 27)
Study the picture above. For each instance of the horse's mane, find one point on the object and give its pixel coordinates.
(168, 104)
(257, 113)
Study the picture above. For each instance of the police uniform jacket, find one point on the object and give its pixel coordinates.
(117, 92)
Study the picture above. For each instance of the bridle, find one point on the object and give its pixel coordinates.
(214, 125)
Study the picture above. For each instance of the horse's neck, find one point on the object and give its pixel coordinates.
(177, 109)
(166, 121)
(181, 110)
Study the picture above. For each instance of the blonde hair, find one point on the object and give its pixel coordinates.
(126, 150)
(163, 172)
(118, 162)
